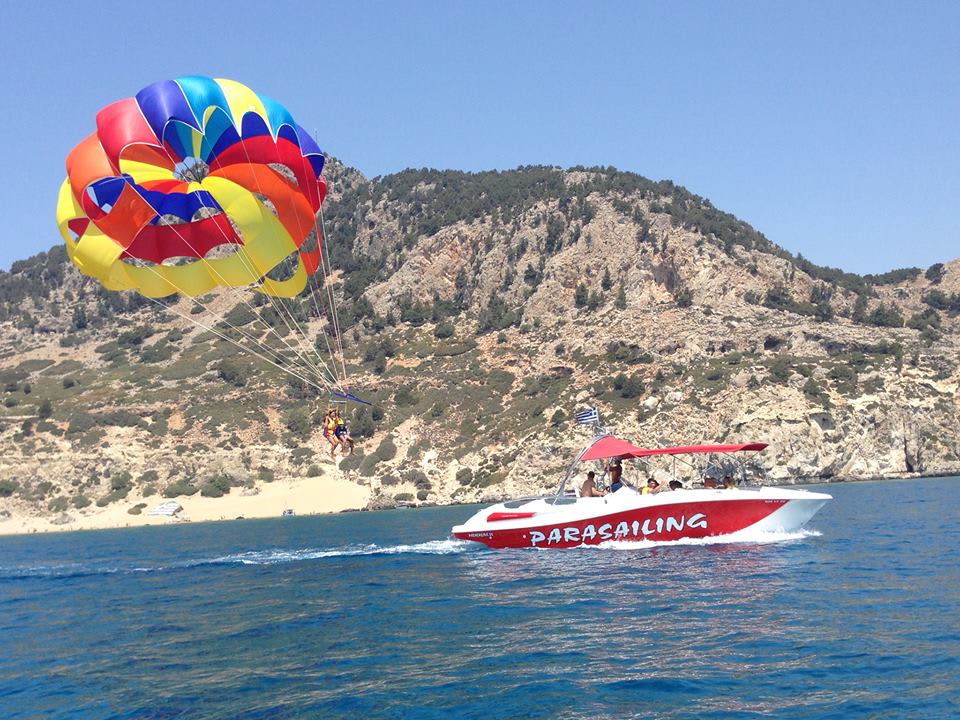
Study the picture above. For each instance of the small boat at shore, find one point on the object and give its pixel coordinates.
(571, 519)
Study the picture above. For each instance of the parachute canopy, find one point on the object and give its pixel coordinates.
(184, 167)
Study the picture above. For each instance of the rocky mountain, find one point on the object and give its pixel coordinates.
(478, 311)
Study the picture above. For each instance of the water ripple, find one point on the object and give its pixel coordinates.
(372, 615)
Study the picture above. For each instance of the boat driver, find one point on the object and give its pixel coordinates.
(615, 469)
(590, 488)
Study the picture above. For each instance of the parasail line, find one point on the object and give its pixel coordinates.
(253, 271)
(302, 334)
(234, 342)
(265, 348)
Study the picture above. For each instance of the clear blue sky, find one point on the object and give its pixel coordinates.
(832, 127)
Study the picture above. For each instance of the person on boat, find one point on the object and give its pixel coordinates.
(590, 488)
(614, 468)
(652, 487)
(676, 485)
(342, 431)
(710, 483)
(330, 431)
(728, 483)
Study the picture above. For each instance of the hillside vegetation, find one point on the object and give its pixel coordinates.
(479, 310)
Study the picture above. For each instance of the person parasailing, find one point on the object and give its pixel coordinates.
(330, 431)
(342, 431)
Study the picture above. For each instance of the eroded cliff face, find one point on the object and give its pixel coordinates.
(479, 325)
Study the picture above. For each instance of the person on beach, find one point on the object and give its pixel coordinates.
(590, 488)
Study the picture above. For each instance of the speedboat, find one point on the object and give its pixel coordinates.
(568, 519)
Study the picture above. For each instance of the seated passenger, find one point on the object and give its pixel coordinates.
(676, 485)
(590, 488)
(728, 483)
(710, 483)
(652, 487)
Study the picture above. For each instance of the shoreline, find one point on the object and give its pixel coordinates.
(306, 496)
(312, 496)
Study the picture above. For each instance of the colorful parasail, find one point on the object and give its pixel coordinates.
(193, 184)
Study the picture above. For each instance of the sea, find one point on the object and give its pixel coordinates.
(382, 615)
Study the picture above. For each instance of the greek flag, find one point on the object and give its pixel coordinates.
(587, 417)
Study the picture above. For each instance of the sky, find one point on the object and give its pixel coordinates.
(831, 127)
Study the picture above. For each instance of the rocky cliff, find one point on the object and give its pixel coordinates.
(478, 311)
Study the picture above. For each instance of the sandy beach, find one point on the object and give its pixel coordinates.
(307, 496)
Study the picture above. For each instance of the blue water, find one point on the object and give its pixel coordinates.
(380, 615)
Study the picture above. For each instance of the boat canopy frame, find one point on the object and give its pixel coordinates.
(633, 452)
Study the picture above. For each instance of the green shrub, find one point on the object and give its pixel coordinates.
(422, 495)
(314, 471)
(180, 487)
(265, 474)
(8, 487)
(633, 387)
(137, 509)
(230, 372)
(815, 391)
(465, 476)
(45, 410)
(120, 418)
(352, 462)
(298, 423)
(935, 273)
(110, 497)
(68, 383)
(444, 330)
(403, 497)
(368, 465)
(885, 316)
(387, 449)
(158, 352)
(121, 482)
(148, 476)
(217, 486)
(405, 397)
(780, 368)
(135, 337)
(10, 401)
(58, 504)
(80, 423)
(81, 501)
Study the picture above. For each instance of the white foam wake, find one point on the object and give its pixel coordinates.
(748, 536)
(271, 557)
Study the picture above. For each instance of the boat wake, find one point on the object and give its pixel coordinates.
(274, 556)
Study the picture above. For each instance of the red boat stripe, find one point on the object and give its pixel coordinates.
(493, 517)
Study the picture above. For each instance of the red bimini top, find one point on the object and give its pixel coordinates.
(611, 447)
